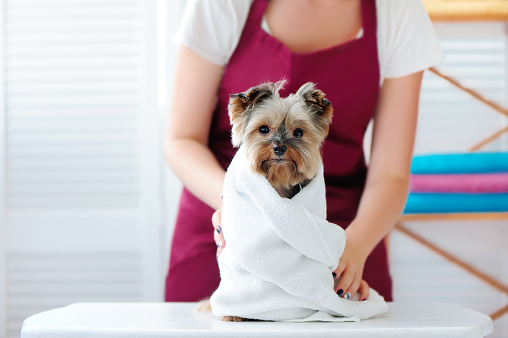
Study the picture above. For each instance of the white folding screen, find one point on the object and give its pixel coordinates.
(81, 213)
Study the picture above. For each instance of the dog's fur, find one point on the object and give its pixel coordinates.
(282, 137)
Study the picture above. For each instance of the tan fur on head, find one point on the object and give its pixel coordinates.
(241, 106)
(263, 122)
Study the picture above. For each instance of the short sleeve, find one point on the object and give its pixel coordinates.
(212, 28)
(408, 39)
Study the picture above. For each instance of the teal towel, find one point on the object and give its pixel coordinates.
(425, 203)
(464, 163)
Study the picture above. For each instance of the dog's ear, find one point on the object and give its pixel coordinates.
(241, 106)
(321, 108)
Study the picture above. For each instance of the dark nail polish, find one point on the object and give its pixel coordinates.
(334, 275)
(363, 300)
(219, 229)
(340, 292)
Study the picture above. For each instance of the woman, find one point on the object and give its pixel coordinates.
(367, 56)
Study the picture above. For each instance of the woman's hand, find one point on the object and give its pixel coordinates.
(350, 270)
(217, 232)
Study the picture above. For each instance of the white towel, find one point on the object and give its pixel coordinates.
(280, 254)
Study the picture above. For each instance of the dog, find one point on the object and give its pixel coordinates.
(282, 137)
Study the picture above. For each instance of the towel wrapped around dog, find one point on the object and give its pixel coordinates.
(280, 254)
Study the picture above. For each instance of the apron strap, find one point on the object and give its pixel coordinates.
(257, 11)
(369, 18)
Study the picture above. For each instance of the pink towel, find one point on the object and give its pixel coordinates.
(460, 183)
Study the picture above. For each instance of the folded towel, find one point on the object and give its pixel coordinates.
(468, 163)
(463, 183)
(280, 254)
(467, 10)
(418, 203)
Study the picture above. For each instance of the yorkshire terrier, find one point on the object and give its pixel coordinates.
(282, 136)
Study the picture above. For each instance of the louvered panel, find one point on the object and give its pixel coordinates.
(64, 100)
(451, 120)
(72, 9)
(39, 282)
(97, 75)
(46, 51)
(84, 113)
(73, 92)
(68, 149)
(71, 88)
(81, 63)
(70, 125)
(76, 78)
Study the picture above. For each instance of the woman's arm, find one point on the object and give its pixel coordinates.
(185, 146)
(387, 183)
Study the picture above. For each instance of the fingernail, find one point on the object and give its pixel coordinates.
(340, 292)
(219, 244)
(363, 300)
(219, 229)
(334, 275)
(348, 295)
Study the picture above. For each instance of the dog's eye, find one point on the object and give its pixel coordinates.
(264, 130)
(298, 133)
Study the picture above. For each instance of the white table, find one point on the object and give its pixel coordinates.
(180, 320)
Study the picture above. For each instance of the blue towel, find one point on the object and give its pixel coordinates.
(425, 203)
(464, 163)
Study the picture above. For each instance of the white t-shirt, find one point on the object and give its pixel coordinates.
(406, 39)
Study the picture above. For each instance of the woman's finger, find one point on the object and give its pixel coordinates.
(219, 237)
(336, 274)
(219, 250)
(353, 288)
(217, 232)
(339, 270)
(364, 290)
(346, 278)
(216, 217)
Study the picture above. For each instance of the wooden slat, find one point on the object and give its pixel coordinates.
(499, 313)
(489, 139)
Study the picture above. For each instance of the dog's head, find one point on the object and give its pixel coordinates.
(282, 136)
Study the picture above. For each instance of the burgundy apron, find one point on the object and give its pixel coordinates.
(349, 76)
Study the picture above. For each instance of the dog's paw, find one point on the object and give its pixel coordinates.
(203, 306)
(232, 319)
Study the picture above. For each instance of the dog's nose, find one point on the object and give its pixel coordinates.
(279, 149)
